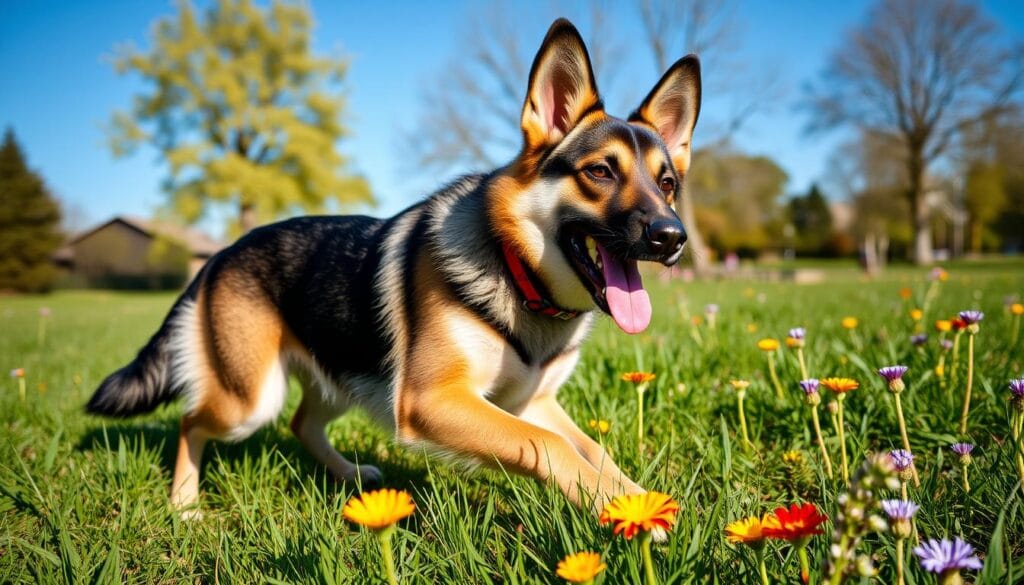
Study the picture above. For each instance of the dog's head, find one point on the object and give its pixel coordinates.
(590, 194)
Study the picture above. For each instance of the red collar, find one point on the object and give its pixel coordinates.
(533, 300)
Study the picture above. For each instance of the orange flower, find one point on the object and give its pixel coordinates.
(643, 512)
(849, 322)
(800, 521)
(905, 293)
(749, 530)
(958, 324)
(18, 373)
(638, 377)
(792, 342)
(580, 567)
(943, 325)
(1017, 309)
(696, 320)
(768, 344)
(840, 385)
(379, 509)
(916, 314)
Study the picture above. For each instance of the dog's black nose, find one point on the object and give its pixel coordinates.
(665, 237)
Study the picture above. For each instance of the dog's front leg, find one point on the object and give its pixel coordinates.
(460, 421)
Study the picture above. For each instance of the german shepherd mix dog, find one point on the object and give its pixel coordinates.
(454, 322)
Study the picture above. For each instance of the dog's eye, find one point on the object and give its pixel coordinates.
(599, 171)
(668, 185)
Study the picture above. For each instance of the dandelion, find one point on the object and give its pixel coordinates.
(641, 514)
(841, 386)
(946, 558)
(1017, 423)
(971, 318)
(19, 375)
(750, 532)
(813, 399)
(580, 567)
(798, 524)
(769, 346)
(901, 515)
(378, 511)
(964, 451)
(893, 376)
(600, 425)
(740, 386)
(640, 381)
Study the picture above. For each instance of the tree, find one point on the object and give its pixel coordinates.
(29, 223)
(242, 112)
(984, 198)
(812, 219)
(919, 72)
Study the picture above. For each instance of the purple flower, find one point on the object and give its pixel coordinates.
(797, 333)
(962, 449)
(711, 309)
(946, 344)
(971, 317)
(891, 373)
(919, 339)
(1017, 387)
(901, 459)
(44, 311)
(899, 509)
(947, 555)
(810, 386)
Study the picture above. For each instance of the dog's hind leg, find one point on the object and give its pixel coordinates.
(310, 426)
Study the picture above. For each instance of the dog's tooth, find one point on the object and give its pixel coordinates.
(592, 249)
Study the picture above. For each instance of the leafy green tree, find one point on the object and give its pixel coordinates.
(29, 224)
(984, 198)
(812, 219)
(241, 111)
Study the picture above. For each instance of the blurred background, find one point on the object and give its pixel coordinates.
(141, 137)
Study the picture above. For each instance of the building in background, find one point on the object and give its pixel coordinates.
(131, 252)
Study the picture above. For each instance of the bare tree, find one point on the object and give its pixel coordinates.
(918, 71)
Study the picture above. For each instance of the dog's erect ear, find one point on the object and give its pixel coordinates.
(672, 108)
(562, 88)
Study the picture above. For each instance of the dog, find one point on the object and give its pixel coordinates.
(453, 323)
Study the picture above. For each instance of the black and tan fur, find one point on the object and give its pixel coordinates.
(416, 318)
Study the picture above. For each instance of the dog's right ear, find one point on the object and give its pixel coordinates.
(562, 89)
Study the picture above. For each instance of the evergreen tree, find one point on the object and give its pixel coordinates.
(29, 224)
(242, 112)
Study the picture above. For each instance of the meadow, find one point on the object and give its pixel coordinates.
(85, 500)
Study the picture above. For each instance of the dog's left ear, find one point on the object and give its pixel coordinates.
(561, 90)
(672, 108)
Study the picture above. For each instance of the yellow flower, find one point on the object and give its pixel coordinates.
(638, 377)
(768, 344)
(751, 327)
(943, 325)
(840, 385)
(379, 509)
(1017, 309)
(749, 530)
(849, 322)
(602, 425)
(643, 512)
(696, 320)
(580, 567)
(792, 457)
(916, 314)
(792, 342)
(739, 384)
(940, 370)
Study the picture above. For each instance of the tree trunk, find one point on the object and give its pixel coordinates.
(870, 254)
(922, 251)
(247, 217)
(698, 251)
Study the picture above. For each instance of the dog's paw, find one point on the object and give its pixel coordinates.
(191, 514)
(369, 477)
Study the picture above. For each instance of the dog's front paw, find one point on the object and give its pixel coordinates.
(368, 477)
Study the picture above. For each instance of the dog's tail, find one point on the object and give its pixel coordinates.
(145, 383)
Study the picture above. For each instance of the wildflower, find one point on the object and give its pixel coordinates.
(696, 320)
(894, 376)
(1017, 388)
(901, 514)
(793, 457)
(379, 510)
(906, 293)
(813, 399)
(793, 343)
(946, 344)
(919, 339)
(751, 327)
(19, 374)
(854, 519)
(849, 322)
(916, 314)
(711, 309)
(768, 344)
(45, 312)
(971, 318)
(943, 325)
(740, 386)
(940, 274)
(840, 385)
(795, 340)
(1017, 309)
(580, 567)
(958, 324)
(903, 463)
(798, 522)
(798, 333)
(641, 513)
(964, 451)
(947, 558)
(640, 381)
(1017, 423)
(750, 531)
(602, 426)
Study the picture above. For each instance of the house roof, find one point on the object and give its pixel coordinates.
(196, 241)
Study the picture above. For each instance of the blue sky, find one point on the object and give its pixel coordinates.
(58, 89)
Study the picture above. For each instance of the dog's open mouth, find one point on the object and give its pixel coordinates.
(613, 282)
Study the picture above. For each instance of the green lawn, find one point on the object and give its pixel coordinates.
(85, 500)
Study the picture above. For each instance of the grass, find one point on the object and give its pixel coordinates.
(85, 500)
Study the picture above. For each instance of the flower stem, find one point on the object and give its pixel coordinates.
(899, 561)
(645, 551)
(967, 485)
(1016, 330)
(842, 440)
(803, 365)
(821, 441)
(761, 568)
(955, 358)
(640, 389)
(1016, 422)
(388, 558)
(805, 566)
(903, 435)
(775, 377)
(42, 330)
(21, 389)
(970, 382)
(951, 577)
(743, 418)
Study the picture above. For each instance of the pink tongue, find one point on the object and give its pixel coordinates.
(628, 302)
